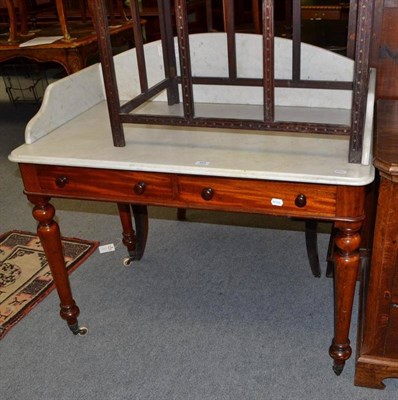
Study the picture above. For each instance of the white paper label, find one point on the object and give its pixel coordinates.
(106, 248)
(277, 202)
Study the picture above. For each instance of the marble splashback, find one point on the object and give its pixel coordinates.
(64, 100)
(209, 58)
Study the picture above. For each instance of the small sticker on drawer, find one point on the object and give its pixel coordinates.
(202, 163)
(277, 202)
(106, 248)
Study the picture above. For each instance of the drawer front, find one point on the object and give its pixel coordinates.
(258, 196)
(105, 184)
(189, 191)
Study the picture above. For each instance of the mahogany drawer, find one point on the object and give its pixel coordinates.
(105, 184)
(279, 198)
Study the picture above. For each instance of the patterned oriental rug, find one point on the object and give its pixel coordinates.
(25, 277)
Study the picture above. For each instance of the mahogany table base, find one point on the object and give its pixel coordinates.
(342, 204)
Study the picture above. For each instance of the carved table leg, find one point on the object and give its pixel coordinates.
(346, 264)
(49, 234)
(134, 241)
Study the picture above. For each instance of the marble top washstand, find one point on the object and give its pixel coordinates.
(69, 153)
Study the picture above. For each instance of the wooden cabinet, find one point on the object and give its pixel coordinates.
(378, 339)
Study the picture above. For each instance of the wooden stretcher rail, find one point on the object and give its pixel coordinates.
(230, 123)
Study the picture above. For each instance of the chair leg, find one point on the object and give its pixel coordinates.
(311, 243)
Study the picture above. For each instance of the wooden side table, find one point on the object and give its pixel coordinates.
(72, 54)
(378, 339)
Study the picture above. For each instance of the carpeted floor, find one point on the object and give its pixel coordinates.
(220, 307)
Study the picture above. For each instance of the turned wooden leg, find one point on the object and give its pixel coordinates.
(135, 241)
(62, 20)
(50, 238)
(13, 21)
(23, 16)
(346, 264)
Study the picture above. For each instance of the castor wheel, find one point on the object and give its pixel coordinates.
(78, 330)
(82, 331)
(127, 261)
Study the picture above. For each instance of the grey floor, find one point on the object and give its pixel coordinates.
(220, 307)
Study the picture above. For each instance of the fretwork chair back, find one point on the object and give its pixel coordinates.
(278, 85)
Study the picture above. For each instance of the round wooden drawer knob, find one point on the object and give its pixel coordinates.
(301, 200)
(207, 194)
(139, 188)
(61, 181)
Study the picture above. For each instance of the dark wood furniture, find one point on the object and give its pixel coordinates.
(325, 10)
(378, 339)
(385, 48)
(337, 194)
(200, 17)
(71, 54)
(79, 40)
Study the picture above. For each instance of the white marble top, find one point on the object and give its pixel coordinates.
(72, 127)
(86, 141)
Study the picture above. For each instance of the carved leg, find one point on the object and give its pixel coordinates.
(49, 234)
(346, 264)
(134, 241)
(311, 242)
